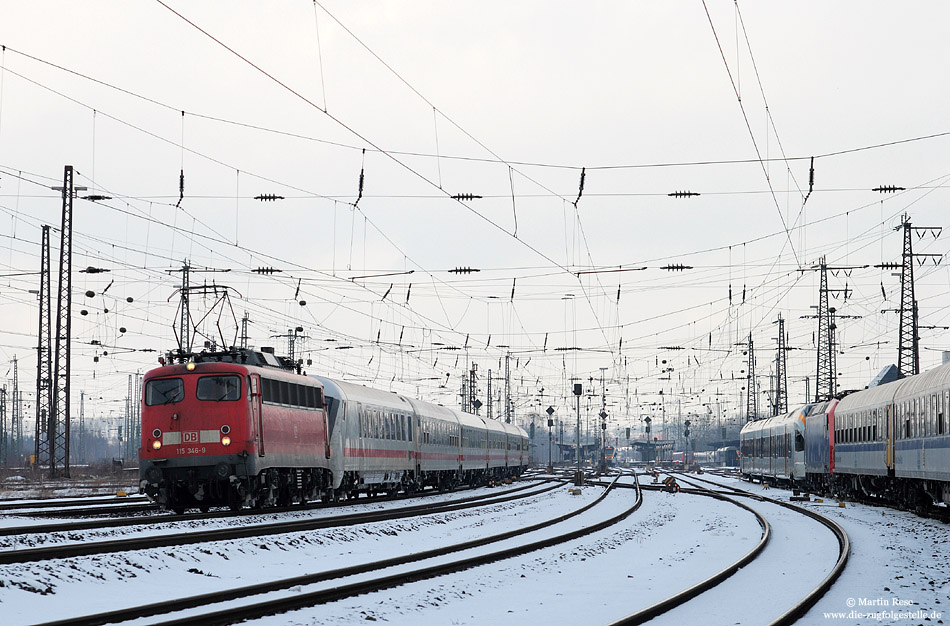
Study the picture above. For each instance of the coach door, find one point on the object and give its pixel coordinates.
(889, 436)
(787, 452)
(256, 414)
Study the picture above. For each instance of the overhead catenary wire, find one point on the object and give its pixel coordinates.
(526, 294)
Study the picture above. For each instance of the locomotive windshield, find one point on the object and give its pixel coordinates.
(219, 388)
(164, 391)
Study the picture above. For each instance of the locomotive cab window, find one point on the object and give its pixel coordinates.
(164, 391)
(219, 388)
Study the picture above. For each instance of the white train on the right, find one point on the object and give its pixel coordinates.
(889, 442)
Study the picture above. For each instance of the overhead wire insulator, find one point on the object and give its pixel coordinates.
(466, 196)
(266, 270)
(676, 267)
(464, 270)
(580, 190)
(268, 197)
(682, 194)
(888, 189)
(359, 195)
(96, 198)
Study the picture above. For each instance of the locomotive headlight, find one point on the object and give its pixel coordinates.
(190, 366)
(225, 429)
(157, 433)
(156, 444)
(225, 441)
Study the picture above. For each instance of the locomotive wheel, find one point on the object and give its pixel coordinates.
(178, 509)
(204, 508)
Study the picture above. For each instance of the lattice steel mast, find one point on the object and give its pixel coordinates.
(751, 401)
(4, 435)
(59, 422)
(16, 448)
(826, 385)
(825, 379)
(780, 401)
(43, 437)
(908, 350)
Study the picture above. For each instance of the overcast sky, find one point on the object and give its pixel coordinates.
(507, 101)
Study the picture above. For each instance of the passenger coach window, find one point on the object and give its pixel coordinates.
(219, 388)
(164, 391)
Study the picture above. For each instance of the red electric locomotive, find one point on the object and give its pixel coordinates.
(243, 428)
(230, 429)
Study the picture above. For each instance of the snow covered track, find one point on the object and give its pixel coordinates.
(287, 602)
(801, 607)
(179, 538)
(89, 505)
(699, 588)
(68, 527)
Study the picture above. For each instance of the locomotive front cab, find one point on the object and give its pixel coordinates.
(196, 434)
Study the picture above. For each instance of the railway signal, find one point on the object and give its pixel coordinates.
(550, 412)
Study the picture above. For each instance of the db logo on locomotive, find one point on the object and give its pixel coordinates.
(189, 437)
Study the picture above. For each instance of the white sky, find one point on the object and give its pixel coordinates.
(528, 94)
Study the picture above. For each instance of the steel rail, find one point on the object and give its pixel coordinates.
(5, 507)
(688, 594)
(297, 601)
(844, 551)
(257, 530)
(164, 519)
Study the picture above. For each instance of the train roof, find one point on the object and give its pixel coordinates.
(821, 407)
(360, 393)
(869, 398)
(796, 415)
(469, 420)
(494, 425)
(898, 390)
(931, 380)
(511, 429)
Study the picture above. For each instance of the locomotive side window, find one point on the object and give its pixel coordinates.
(219, 388)
(164, 391)
(267, 390)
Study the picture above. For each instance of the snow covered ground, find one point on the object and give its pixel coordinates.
(899, 570)
(672, 542)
